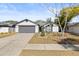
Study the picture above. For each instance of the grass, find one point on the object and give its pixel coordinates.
(5, 34)
(52, 38)
(49, 53)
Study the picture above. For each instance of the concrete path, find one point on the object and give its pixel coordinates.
(12, 45)
(50, 47)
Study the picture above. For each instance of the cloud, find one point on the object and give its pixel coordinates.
(11, 12)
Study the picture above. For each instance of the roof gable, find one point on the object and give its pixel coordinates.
(74, 24)
(26, 21)
(49, 24)
(5, 26)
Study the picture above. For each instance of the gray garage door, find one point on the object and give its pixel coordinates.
(27, 29)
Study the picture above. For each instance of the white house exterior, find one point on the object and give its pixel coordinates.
(26, 26)
(6, 28)
(55, 28)
(51, 28)
(74, 28)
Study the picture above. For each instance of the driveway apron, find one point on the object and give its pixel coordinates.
(11, 46)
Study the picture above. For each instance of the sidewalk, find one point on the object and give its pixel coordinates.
(47, 47)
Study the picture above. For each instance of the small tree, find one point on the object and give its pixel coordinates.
(57, 20)
(64, 25)
(42, 31)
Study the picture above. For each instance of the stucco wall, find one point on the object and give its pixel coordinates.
(55, 29)
(4, 29)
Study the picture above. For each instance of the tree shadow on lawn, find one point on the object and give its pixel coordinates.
(69, 43)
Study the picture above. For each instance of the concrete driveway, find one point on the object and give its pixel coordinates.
(12, 45)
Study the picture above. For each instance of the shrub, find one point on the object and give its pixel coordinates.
(42, 32)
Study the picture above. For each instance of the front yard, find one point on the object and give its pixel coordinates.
(53, 38)
(2, 35)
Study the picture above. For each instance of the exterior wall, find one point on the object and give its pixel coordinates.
(47, 29)
(4, 29)
(74, 30)
(11, 29)
(16, 28)
(55, 28)
(28, 24)
(36, 28)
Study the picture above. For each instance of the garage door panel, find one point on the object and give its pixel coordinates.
(26, 29)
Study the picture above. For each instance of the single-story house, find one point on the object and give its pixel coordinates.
(50, 27)
(6, 28)
(74, 28)
(26, 26)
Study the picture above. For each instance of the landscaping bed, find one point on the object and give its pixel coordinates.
(49, 53)
(53, 38)
(69, 40)
(37, 39)
(6, 34)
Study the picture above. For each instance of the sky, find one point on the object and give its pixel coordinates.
(31, 11)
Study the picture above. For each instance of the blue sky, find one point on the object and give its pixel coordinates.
(32, 11)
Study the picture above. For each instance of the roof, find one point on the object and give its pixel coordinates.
(23, 21)
(5, 25)
(47, 24)
(41, 23)
(73, 24)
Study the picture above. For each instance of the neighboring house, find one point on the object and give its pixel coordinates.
(51, 27)
(6, 28)
(73, 28)
(26, 26)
